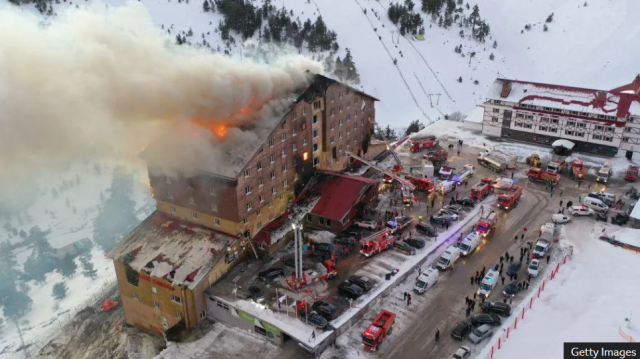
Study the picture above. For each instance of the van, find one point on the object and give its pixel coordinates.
(448, 258)
(595, 204)
(489, 282)
(607, 198)
(548, 228)
(426, 280)
(469, 244)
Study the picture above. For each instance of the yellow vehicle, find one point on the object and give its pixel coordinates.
(534, 160)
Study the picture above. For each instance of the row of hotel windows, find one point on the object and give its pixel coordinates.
(249, 207)
(557, 110)
(576, 133)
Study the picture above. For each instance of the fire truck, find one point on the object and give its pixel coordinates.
(323, 271)
(465, 174)
(510, 198)
(438, 155)
(445, 172)
(539, 175)
(632, 173)
(381, 326)
(481, 190)
(420, 143)
(486, 224)
(376, 243)
(422, 184)
(493, 163)
(578, 172)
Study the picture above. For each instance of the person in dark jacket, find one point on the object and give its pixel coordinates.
(548, 258)
(502, 280)
(472, 280)
(437, 334)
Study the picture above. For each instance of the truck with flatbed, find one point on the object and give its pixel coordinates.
(376, 243)
(379, 329)
(464, 175)
(482, 189)
(539, 175)
(493, 163)
(510, 197)
(509, 160)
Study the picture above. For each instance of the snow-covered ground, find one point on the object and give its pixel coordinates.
(588, 301)
(68, 226)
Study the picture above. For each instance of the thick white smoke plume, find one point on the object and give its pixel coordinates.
(104, 78)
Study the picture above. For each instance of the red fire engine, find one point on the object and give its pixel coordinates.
(422, 184)
(376, 243)
(578, 172)
(510, 198)
(481, 190)
(486, 224)
(419, 144)
(378, 330)
(632, 173)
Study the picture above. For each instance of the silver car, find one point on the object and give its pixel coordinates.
(480, 333)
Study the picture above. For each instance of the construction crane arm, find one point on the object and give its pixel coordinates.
(389, 148)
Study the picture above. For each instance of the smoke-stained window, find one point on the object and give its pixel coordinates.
(133, 277)
(285, 183)
(295, 131)
(247, 172)
(284, 152)
(271, 142)
(249, 206)
(261, 198)
(284, 168)
(284, 137)
(304, 111)
(315, 147)
(315, 133)
(212, 191)
(294, 147)
(260, 182)
(192, 200)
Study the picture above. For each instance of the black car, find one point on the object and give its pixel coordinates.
(461, 330)
(344, 240)
(315, 319)
(256, 294)
(415, 243)
(356, 235)
(601, 216)
(426, 229)
(514, 268)
(328, 311)
(499, 308)
(349, 290)
(452, 209)
(441, 220)
(491, 319)
(620, 219)
(512, 289)
(404, 248)
(466, 202)
(270, 274)
(291, 262)
(323, 248)
(363, 282)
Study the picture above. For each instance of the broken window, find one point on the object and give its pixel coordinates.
(133, 277)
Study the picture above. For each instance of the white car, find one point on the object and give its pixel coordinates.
(366, 224)
(581, 211)
(560, 218)
(534, 267)
(462, 353)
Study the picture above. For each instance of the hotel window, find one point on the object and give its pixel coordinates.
(332, 140)
(249, 207)
(627, 129)
(554, 120)
(494, 119)
(245, 221)
(271, 142)
(284, 152)
(519, 115)
(214, 207)
(274, 191)
(314, 120)
(135, 296)
(216, 222)
(579, 134)
(169, 194)
(272, 159)
(304, 111)
(568, 133)
(156, 305)
(285, 183)
(294, 147)
(247, 190)
(260, 182)
(172, 209)
(167, 180)
(203, 314)
(317, 105)
(316, 161)
(599, 128)
(529, 117)
(333, 126)
(340, 108)
(192, 200)
(315, 147)
(553, 129)
(625, 139)
(348, 118)
(212, 191)
(273, 175)
(284, 168)
(260, 166)
(597, 137)
(542, 128)
(304, 142)
(333, 112)
(178, 314)
(194, 215)
(284, 137)
(261, 198)
(611, 129)
(496, 110)
(340, 122)
(582, 125)
(176, 299)
(295, 131)
(607, 138)
(247, 172)
(154, 290)
(315, 133)
(571, 123)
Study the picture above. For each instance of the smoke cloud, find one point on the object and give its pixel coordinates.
(104, 78)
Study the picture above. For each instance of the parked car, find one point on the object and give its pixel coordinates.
(534, 267)
(350, 290)
(446, 212)
(362, 281)
(256, 294)
(366, 224)
(512, 289)
(270, 274)
(441, 219)
(581, 211)
(461, 330)
(620, 219)
(291, 262)
(328, 311)
(316, 320)
(560, 218)
(499, 308)
(466, 202)
(344, 240)
(323, 247)
(482, 332)
(490, 319)
(403, 247)
(453, 209)
(426, 229)
(462, 353)
(514, 268)
(356, 235)
(415, 243)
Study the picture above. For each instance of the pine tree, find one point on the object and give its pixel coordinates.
(460, 79)
(205, 6)
(67, 266)
(339, 70)
(59, 290)
(389, 133)
(87, 267)
(350, 72)
(491, 57)
(549, 18)
(495, 44)
(414, 127)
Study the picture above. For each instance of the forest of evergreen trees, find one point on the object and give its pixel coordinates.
(404, 17)
(454, 14)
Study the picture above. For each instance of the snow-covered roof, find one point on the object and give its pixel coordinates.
(577, 99)
(563, 143)
(178, 251)
(475, 115)
(634, 108)
(636, 212)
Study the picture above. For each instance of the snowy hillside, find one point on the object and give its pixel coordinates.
(572, 51)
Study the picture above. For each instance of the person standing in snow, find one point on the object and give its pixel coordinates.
(522, 237)
(548, 258)
(437, 334)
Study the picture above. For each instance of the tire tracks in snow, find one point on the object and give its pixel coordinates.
(422, 57)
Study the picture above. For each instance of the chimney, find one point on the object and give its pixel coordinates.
(506, 89)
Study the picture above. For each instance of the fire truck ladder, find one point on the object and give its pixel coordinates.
(389, 148)
(400, 180)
